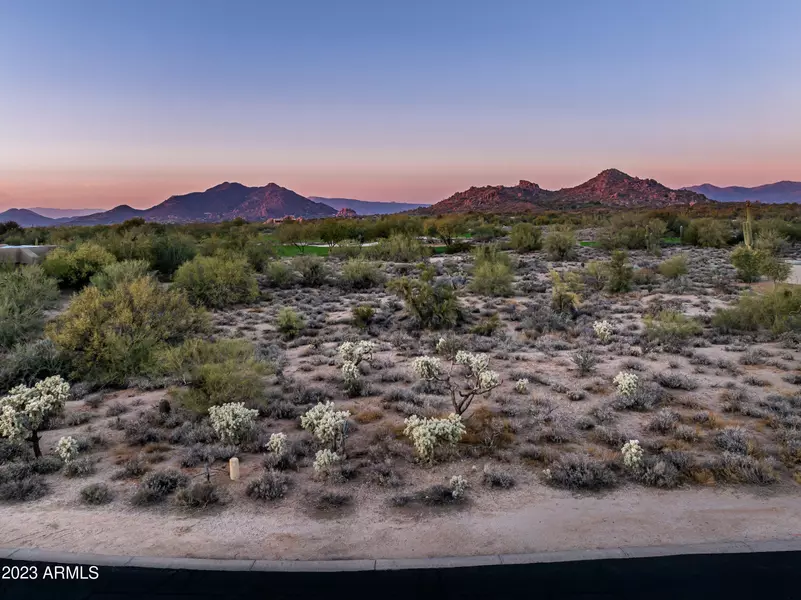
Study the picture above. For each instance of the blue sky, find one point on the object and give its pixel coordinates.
(103, 102)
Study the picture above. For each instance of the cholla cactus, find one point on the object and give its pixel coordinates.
(521, 386)
(626, 383)
(427, 367)
(326, 424)
(426, 434)
(352, 354)
(632, 454)
(277, 444)
(603, 330)
(357, 352)
(324, 460)
(479, 379)
(232, 422)
(25, 411)
(458, 486)
(67, 448)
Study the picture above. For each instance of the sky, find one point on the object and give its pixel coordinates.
(130, 101)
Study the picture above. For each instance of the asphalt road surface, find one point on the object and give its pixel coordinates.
(768, 576)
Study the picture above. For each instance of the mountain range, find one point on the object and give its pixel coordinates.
(771, 193)
(226, 201)
(608, 188)
(367, 207)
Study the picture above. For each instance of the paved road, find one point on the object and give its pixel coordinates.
(773, 576)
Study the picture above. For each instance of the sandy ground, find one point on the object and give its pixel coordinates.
(515, 522)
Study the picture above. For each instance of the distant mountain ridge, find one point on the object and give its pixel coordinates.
(609, 188)
(366, 207)
(780, 192)
(26, 218)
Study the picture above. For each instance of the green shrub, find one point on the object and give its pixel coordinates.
(525, 237)
(490, 254)
(25, 293)
(565, 296)
(487, 326)
(770, 238)
(279, 274)
(773, 267)
(778, 310)
(492, 279)
(619, 272)
(120, 272)
(674, 267)
(359, 274)
(215, 372)
(74, 268)
(747, 262)
(363, 315)
(289, 323)
(398, 248)
(110, 336)
(346, 249)
(311, 268)
(670, 327)
(217, 281)
(560, 244)
(168, 252)
(31, 362)
(431, 305)
(708, 233)
(595, 275)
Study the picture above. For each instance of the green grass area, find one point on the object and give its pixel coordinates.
(670, 241)
(589, 244)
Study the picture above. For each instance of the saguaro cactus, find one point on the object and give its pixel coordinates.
(748, 227)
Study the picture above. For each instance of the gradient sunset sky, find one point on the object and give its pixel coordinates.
(104, 102)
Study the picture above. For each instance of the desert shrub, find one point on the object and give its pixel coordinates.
(110, 336)
(217, 281)
(565, 298)
(774, 268)
(327, 425)
(360, 274)
(113, 274)
(25, 293)
(585, 360)
(492, 273)
(676, 381)
(96, 494)
(674, 267)
(198, 495)
(289, 323)
(80, 467)
(670, 327)
(29, 362)
(560, 244)
(525, 237)
(663, 421)
(330, 500)
(708, 233)
(352, 355)
(362, 315)
(272, 485)
(488, 326)
(431, 305)
(747, 262)
(595, 275)
(132, 468)
(657, 471)
(735, 440)
(312, 270)
(778, 310)
(29, 487)
(156, 486)
(476, 377)
(740, 468)
(644, 396)
(74, 268)
(346, 249)
(580, 471)
(619, 272)
(170, 251)
(398, 247)
(216, 372)
(279, 275)
(497, 478)
(770, 238)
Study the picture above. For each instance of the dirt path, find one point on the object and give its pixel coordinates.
(545, 520)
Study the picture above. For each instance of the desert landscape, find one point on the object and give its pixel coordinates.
(442, 382)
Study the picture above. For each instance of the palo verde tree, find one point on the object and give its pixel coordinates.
(26, 411)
